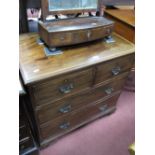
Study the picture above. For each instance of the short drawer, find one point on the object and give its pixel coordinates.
(62, 86)
(114, 68)
(65, 106)
(62, 125)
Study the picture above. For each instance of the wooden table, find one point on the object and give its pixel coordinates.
(124, 22)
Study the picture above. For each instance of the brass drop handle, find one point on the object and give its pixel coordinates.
(103, 108)
(116, 70)
(67, 88)
(64, 125)
(65, 109)
(109, 90)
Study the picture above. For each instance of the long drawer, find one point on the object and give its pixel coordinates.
(65, 106)
(64, 124)
(62, 86)
(114, 68)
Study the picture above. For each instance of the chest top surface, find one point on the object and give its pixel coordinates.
(36, 66)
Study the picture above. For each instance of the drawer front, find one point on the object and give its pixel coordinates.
(80, 36)
(60, 39)
(99, 33)
(91, 34)
(114, 68)
(62, 86)
(23, 132)
(60, 126)
(65, 106)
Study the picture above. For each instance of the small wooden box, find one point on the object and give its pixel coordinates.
(63, 32)
(74, 31)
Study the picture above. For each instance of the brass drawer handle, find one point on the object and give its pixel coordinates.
(65, 109)
(107, 110)
(64, 125)
(109, 90)
(116, 71)
(66, 88)
(104, 108)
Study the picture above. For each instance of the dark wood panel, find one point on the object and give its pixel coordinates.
(24, 132)
(25, 145)
(23, 23)
(33, 3)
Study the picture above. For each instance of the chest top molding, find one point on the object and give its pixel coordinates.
(35, 66)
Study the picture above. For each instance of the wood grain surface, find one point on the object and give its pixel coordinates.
(126, 16)
(124, 22)
(36, 66)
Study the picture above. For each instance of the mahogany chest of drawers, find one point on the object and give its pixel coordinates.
(76, 87)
